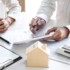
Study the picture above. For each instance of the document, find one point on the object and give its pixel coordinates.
(22, 36)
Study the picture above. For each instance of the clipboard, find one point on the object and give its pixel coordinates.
(11, 57)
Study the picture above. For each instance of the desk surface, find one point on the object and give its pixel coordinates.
(20, 49)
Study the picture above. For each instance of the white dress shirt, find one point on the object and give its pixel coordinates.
(14, 8)
(48, 6)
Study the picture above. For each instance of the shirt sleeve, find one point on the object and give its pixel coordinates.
(14, 8)
(46, 9)
(68, 26)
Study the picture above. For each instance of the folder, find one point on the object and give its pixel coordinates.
(7, 57)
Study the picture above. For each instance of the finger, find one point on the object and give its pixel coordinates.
(37, 19)
(33, 21)
(51, 30)
(47, 38)
(32, 27)
(31, 24)
(34, 30)
(58, 39)
(1, 23)
(57, 36)
(3, 30)
(2, 26)
(4, 22)
(38, 27)
(53, 37)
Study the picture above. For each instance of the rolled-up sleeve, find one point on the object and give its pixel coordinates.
(14, 8)
(46, 9)
(68, 26)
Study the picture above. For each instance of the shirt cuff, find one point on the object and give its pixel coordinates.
(43, 16)
(15, 16)
(68, 26)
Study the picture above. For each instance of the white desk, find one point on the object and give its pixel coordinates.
(20, 49)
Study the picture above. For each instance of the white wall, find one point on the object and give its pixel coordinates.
(32, 6)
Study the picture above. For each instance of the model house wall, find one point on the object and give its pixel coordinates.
(37, 56)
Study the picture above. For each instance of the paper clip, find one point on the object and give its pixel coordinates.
(5, 64)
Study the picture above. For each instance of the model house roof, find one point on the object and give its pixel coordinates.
(38, 45)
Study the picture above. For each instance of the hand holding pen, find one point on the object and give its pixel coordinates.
(36, 24)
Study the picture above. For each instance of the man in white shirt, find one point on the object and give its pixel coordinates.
(45, 12)
(14, 11)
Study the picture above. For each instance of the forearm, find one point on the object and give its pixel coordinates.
(14, 13)
(46, 9)
(14, 8)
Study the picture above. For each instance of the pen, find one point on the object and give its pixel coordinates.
(5, 40)
(35, 25)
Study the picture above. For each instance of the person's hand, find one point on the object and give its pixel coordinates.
(59, 33)
(39, 25)
(3, 25)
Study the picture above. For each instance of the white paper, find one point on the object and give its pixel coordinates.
(22, 36)
(6, 55)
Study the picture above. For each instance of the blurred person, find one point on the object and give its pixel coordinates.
(13, 14)
(45, 12)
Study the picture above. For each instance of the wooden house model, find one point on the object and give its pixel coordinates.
(37, 55)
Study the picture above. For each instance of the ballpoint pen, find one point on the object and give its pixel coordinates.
(35, 24)
(5, 40)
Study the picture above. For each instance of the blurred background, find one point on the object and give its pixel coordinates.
(31, 7)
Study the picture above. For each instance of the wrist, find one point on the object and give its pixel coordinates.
(9, 20)
(45, 17)
(42, 19)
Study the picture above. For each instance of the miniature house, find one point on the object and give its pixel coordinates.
(37, 55)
